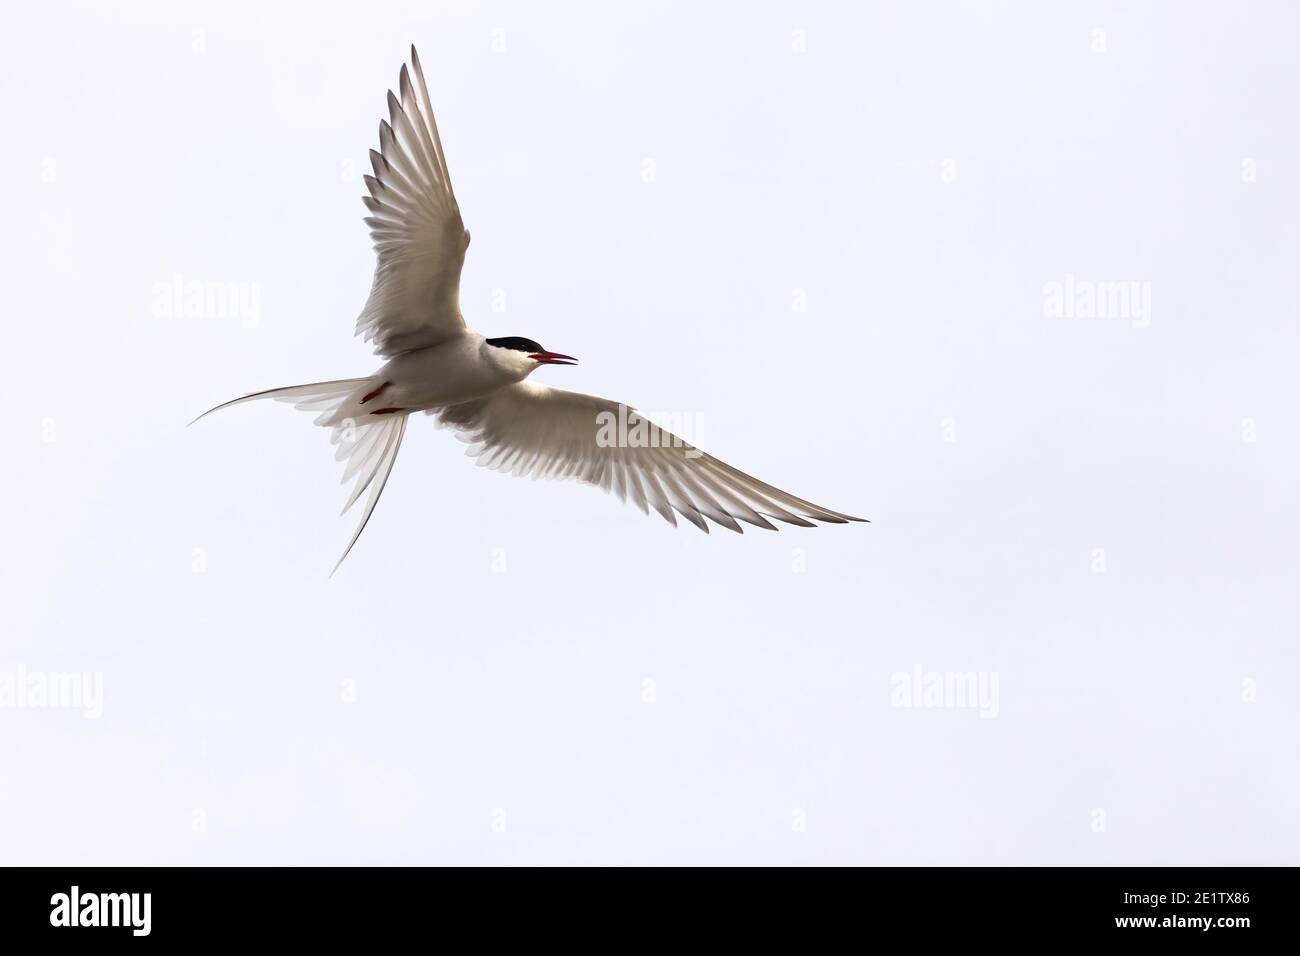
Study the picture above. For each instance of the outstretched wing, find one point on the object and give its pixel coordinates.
(530, 429)
(415, 222)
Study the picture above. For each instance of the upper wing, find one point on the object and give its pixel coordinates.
(415, 223)
(530, 429)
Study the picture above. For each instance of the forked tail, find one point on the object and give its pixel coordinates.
(368, 443)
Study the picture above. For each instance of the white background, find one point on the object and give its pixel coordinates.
(1103, 516)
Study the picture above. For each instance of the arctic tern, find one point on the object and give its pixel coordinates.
(479, 386)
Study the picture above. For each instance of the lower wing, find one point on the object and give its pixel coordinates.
(531, 429)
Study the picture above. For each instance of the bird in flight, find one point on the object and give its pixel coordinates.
(479, 386)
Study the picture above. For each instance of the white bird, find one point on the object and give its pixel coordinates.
(478, 386)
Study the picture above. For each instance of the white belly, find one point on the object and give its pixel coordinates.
(446, 374)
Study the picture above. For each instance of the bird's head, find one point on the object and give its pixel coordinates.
(524, 355)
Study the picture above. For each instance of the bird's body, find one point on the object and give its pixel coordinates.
(478, 385)
(458, 370)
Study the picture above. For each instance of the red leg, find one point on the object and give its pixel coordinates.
(372, 394)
